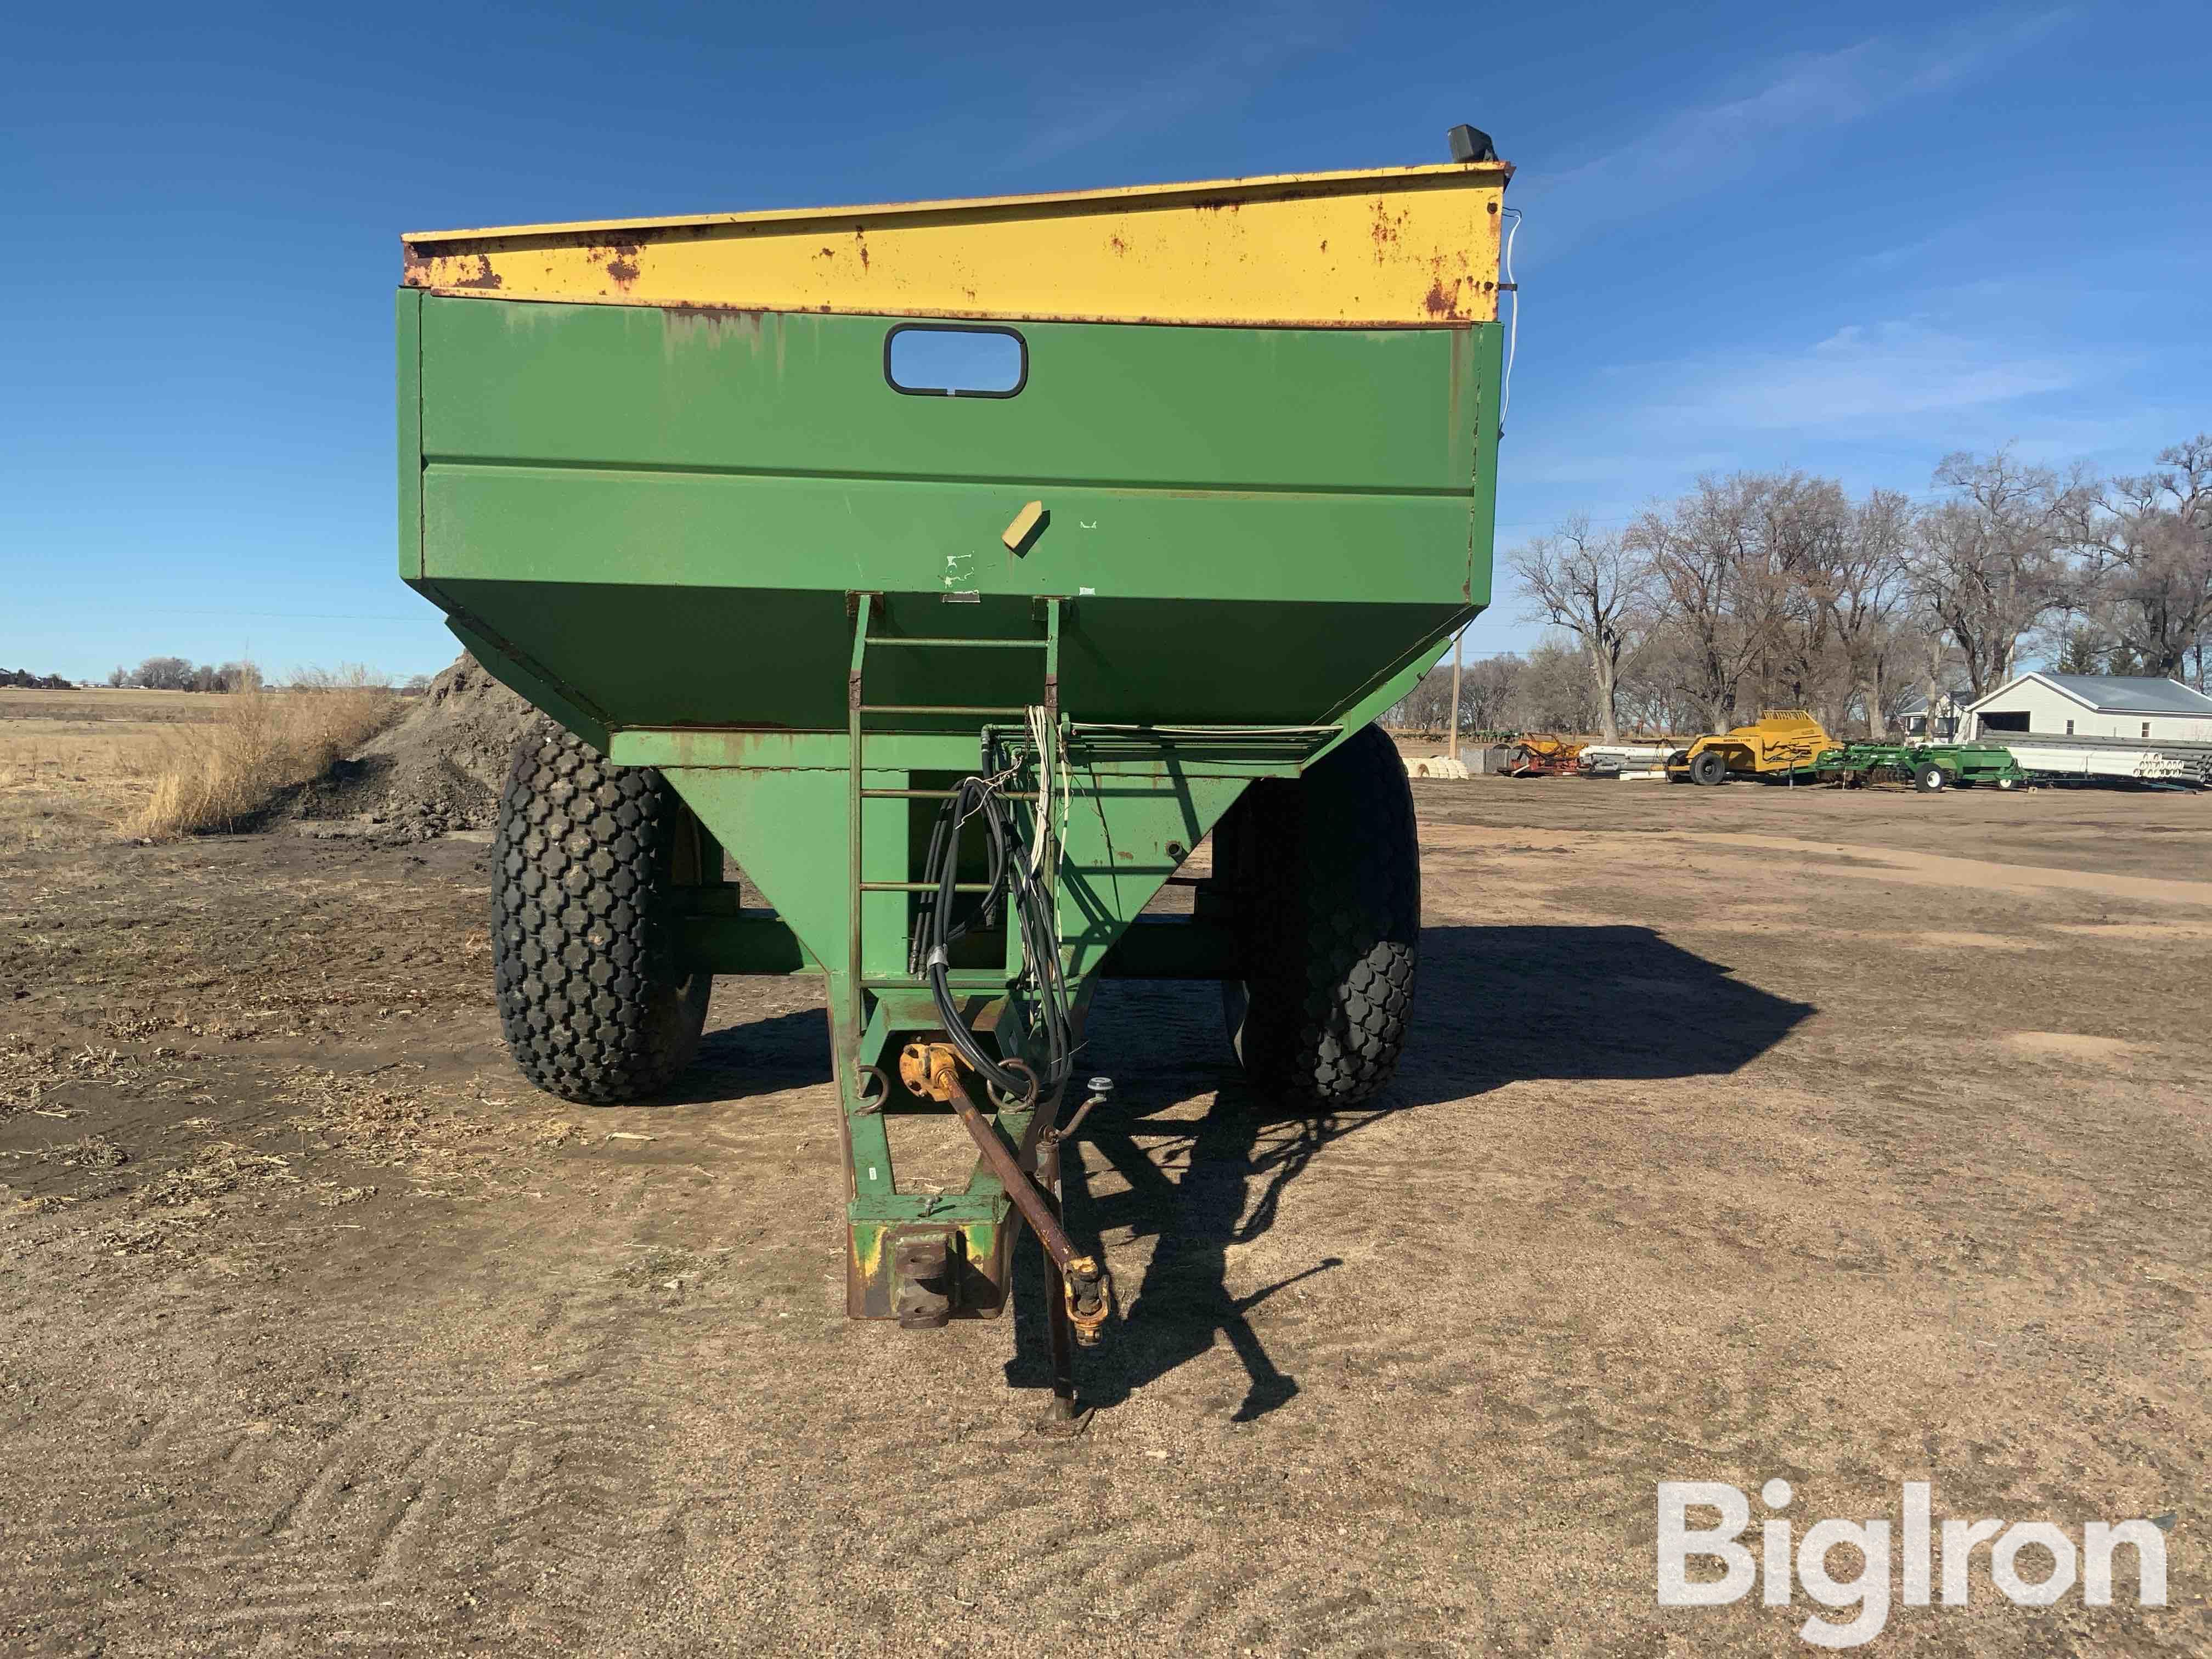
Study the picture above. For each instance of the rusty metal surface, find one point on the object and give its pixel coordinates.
(1540, 757)
(1085, 1288)
(1393, 247)
(922, 1262)
(931, 1070)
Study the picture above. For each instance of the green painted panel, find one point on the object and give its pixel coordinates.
(785, 829)
(533, 685)
(664, 516)
(617, 386)
(704, 656)
(528, 524)
(409, 331)
(1122, 841)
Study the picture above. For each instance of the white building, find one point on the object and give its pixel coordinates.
(2093, 706)
(1914, 721)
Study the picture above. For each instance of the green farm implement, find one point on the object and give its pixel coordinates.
(953, 569)
(1928, 768)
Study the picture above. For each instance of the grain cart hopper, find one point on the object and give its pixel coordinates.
(955, 568)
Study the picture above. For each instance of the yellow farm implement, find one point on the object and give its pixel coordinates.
(1782, 743)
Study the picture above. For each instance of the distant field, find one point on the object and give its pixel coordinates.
(99, 703)
(75, 764)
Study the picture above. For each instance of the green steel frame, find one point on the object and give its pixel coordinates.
(684, 535)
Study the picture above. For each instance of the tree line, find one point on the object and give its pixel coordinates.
(1764, 590)
(182, 674)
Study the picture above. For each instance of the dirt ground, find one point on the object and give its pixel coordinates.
(1745, 1133)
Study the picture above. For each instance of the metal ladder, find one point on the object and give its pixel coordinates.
(857, 706)
(1019, 1143)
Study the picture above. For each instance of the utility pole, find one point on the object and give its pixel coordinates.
(1459, 640)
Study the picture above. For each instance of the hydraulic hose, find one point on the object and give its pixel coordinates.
(1013, 876)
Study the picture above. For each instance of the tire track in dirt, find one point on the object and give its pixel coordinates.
(449, 1481)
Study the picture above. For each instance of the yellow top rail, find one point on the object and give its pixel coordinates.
(1398, 247)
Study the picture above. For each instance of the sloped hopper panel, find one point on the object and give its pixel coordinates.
(647, 466)
(662, 514)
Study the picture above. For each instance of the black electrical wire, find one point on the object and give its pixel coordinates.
(1010, 879)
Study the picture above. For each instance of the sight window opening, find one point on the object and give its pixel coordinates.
(930, 360)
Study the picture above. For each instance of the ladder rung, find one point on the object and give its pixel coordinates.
(922, 887)
(907, 794)
(965, 645)
(942, 708)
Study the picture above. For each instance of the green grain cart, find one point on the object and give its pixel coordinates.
(955, 568)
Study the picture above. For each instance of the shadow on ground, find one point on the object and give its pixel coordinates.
(759, 1057)
(1494, 1006)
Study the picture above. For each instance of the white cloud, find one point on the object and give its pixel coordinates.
(1859, 375)
(1244, 52)
(1875, 403)
(1704, 147)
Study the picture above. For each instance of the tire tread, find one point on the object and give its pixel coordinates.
(1330, 899)
(591, 1000)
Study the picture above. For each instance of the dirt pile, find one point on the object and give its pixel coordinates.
(439, 767)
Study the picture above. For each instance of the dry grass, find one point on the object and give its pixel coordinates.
(73, 765)
(218, 774)
(78, 766)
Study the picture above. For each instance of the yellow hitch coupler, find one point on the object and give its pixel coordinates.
(931, 1070)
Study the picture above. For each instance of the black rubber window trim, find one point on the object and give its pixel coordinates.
(1014, 334)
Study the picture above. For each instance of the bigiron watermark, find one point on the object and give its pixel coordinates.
(1933, 1560)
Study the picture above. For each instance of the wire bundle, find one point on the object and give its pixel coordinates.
(1015, 876)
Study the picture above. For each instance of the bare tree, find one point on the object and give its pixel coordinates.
(1861, 588)
(1656, 681)
(1594, 588)
(1487, 696)
(1484, 696)
(1427, 706)
(1794, 566)
(1729, 564)
(1555, 691)
(1990, 563)
(2150, 544)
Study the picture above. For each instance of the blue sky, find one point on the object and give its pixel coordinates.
(1847, 239)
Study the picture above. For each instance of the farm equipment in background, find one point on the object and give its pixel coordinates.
(1928, 768)
(1781, 745)
(1540, 757)
(955, 568)
(1628, 757)
(2113, 763)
